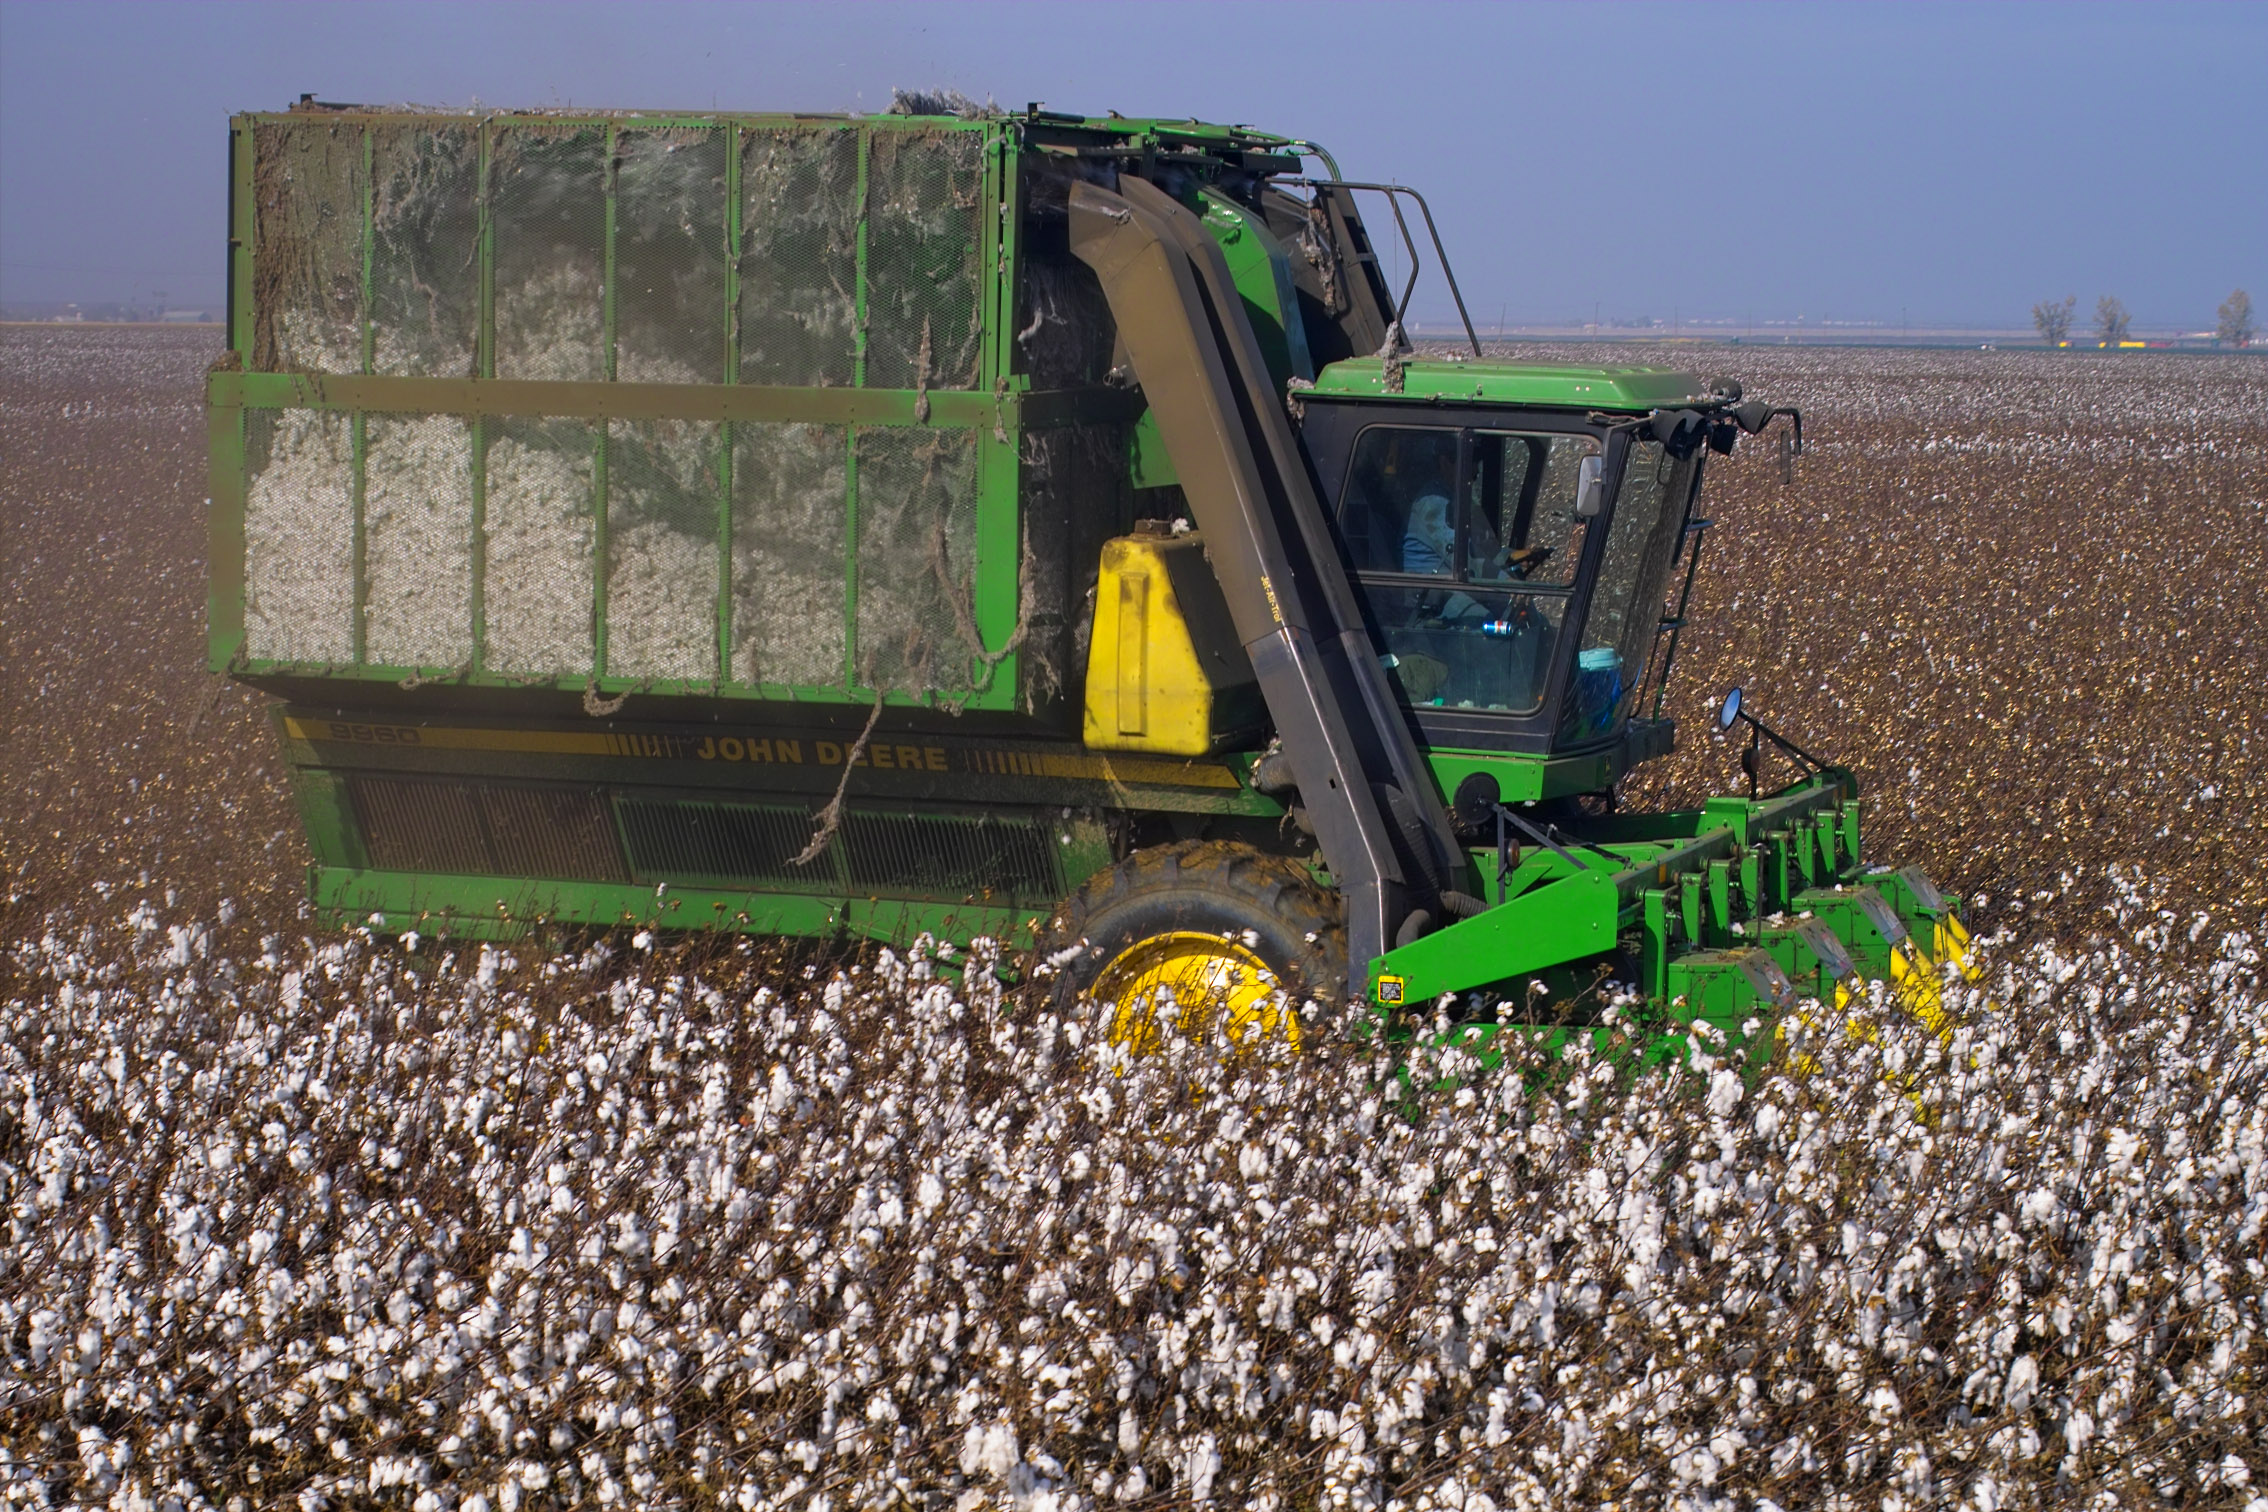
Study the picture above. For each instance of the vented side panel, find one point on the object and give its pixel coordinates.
(874, 854)
(420, 826)
(487, 829)
(951, 855)
(553, 832)
(745, 844)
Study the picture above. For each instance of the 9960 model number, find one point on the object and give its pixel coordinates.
(363, 734)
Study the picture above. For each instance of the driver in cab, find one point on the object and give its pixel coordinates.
(1429, 535)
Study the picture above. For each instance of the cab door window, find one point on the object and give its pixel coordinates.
(1464, 545)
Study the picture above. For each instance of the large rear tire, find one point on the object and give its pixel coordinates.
(1227, 935)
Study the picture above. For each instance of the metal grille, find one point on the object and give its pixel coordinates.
(548, 193)
(425, 250)
(417, 541)
(669, 256)
(299, 536)
(538, 587)
(309, 189)
(789, 590)
(799, 257)
(924, 259)
(741, 844)
(917, 559)
(487, 829)
(420, 826)
(977, 856)
(664, 483)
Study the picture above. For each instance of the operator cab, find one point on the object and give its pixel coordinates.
(1513, 558)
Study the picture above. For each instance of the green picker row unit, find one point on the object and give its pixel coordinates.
(1031, 526)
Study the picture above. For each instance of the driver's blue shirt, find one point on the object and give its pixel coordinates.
(1429, 540)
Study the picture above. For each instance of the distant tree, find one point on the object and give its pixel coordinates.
(2054, 319)
(2111, 319)
(2236, 320)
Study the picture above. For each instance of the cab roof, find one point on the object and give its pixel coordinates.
(1586, 388)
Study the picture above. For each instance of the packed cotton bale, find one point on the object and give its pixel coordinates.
(540, 530)
(788, 579)
(916, 619)
(664, 486)
(299, 537)
(417, 540)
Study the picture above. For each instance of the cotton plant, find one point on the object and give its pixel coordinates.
(464, 1225)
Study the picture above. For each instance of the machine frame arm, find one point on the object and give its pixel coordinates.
(1198, 361)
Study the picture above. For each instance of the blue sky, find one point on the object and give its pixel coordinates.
(1743, 162)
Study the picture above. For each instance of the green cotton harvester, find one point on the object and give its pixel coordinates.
(1029, 526)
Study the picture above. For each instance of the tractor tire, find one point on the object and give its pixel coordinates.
(1226, 928)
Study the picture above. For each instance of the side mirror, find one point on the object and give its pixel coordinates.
(1476, 801)
(1729, 711)
(1590, 488)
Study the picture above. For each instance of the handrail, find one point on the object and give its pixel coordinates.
(1409, 243)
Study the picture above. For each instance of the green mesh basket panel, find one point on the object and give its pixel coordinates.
(924, 259)
(417, 533)
(547, 188)
(299, 536)
(308, 189)
(664, 481)
(917, 559)
(670, 309)
(789, 584)
(425, 250)
(538, 587)
(799, 257)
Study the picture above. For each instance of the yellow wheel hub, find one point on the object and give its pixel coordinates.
(1201, 980)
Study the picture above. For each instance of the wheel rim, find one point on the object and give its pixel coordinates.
(1202, 980)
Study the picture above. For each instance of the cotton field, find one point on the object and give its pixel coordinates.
(340, 1224)
(315, 1221)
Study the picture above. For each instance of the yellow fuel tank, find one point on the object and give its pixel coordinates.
(1165, 671)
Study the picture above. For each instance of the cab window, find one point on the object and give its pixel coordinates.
(1464, 545)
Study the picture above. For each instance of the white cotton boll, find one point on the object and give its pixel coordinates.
(1695, 1467)
(2120, 1149)
(1725, 1091)
(989, 1449)
(1200, 1464)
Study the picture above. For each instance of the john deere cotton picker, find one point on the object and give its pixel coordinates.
(1030, 526)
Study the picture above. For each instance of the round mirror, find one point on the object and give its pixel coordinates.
(1729, 710)
(1476, 800)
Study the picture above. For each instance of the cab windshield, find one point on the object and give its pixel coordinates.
(1464, 543)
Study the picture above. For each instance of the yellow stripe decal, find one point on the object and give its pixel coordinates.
(1127, 770)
